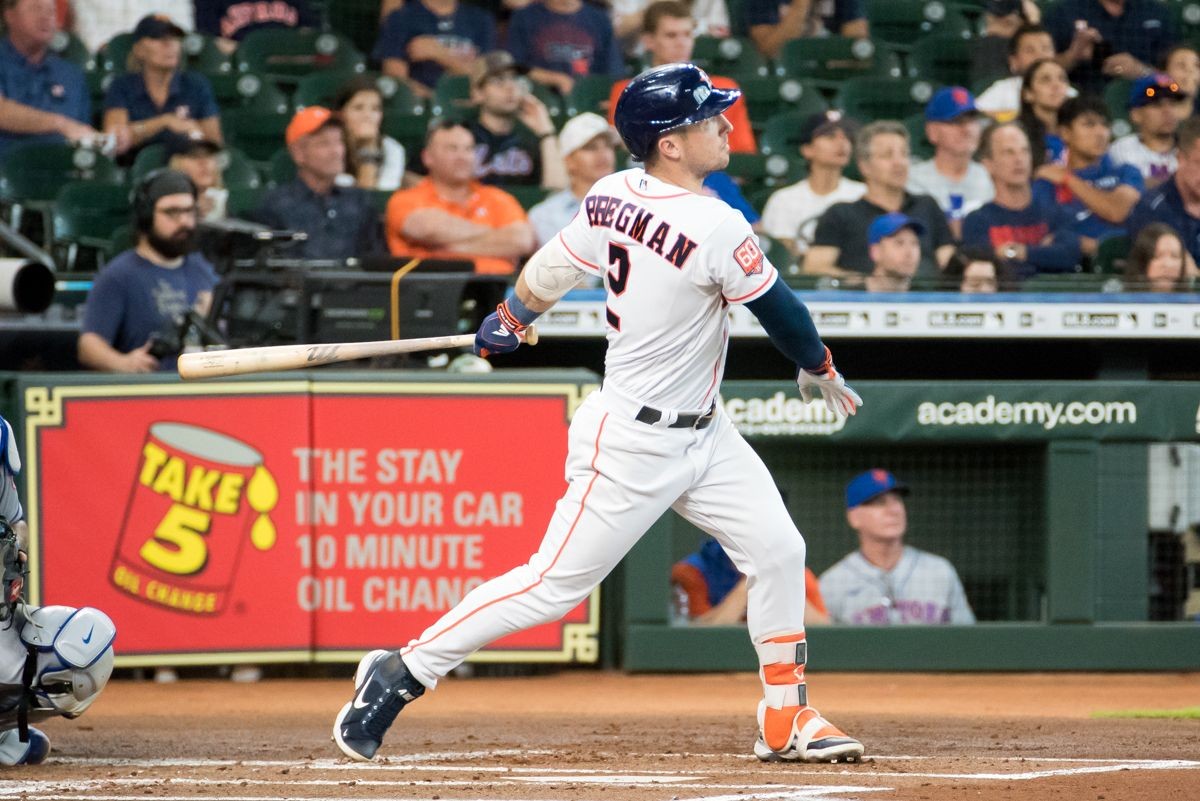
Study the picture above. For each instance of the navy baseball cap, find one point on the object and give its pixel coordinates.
(156, 26)
(1153, 88)
(886, 225)
(949, 104)
(1002, 8)
(872, 484)
(826, 122)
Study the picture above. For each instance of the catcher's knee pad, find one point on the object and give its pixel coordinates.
(781, 667)
(15, 752)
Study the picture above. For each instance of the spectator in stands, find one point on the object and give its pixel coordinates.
(709, 590)
(426, 39)
(157, 101)
(668, 34)
(975, 271)
(1153, 101)
(710, 17)
(143, 294)
(886, 582)
(840, 244)
(1096, 192)
(1182, 63)
(992, 52)
(341, 221)
(588, 144)
(200, 160)
(515, 140)
(1002, 100)
(895, 246)
(561, 41)
(42, 97)
(97, 22)
(952, 177)
(1029, 235)
(773, 23)
(1044, 89)
(1176, 202)
(374, 159)
(1100, 39)
(1157, 260)
(230, 20)
(791, 213)
(449, 214)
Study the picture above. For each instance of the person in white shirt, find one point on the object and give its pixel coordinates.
(958, 184)
(98, 21)
(791, 214)
(1152, 110)
(587, 143)
(1002, 100)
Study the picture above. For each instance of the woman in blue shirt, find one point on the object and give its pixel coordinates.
(156, 101)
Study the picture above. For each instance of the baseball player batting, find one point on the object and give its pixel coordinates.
(654, 437)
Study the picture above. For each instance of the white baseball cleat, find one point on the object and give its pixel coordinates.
(814, 739)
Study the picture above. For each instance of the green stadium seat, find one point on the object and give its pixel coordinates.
(114, 55)
(781, 135)
(766, 97)
(777, 253)
(554, 102)
(86, 215)
(901, 23)
(70, 47)
(282, 169)
(32, 173)
(255, 133)
(97, 83)
(408, 129)
(1111, 254)
(918, 143)
(732, 56)
(321, 89)
(451, 96)
(242, 202)
(943, 58)
(204, 56)
(248, 90)
(287, 54)
(755, 171)
(1116, 98)
(527, 196)
(356, 19)
(237, 170)
(1186, 16)
(590, 93)
(868, 99)
(827, 61)
(380, 198)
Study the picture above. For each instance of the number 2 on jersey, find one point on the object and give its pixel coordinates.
(618, 256)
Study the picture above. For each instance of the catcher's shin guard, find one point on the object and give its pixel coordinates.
(382, 687)
(789, 729)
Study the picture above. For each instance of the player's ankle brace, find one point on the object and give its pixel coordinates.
(781, 667)
(514, 314)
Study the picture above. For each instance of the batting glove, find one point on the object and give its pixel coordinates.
(838, 397)
(500, 332)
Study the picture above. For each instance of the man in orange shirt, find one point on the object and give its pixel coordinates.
(451, 215)
(667, 35)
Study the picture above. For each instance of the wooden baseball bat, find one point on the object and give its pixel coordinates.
(240, 361)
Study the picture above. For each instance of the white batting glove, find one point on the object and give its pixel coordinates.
(839, 398)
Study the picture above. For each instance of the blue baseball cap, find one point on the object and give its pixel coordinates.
(872, 484)
(886, 225)
(1153, 88)
(949, 104)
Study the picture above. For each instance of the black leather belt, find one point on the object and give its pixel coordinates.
(651, 416)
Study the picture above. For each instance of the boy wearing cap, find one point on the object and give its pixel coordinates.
(895, 247)
(1098, 193)
(156, 101)
(515, 141)
(341, 221)
(951, 177)
(588, 144)
(886, 582)
(1152, 110)
(424, 39)
(791, 213)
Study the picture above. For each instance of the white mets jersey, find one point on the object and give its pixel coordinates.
(672, 262)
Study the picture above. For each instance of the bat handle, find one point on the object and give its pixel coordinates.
(531, 335)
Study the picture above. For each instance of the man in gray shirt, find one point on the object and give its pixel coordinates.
(951, 177)
(886, 582)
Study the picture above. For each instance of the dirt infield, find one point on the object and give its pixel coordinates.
(607, 736)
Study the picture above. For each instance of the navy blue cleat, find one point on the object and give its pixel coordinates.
(382, 687)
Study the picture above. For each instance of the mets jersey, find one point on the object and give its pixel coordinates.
(921, 588)
(672, 262)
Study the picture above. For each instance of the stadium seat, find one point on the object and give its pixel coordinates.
(321, 89)
(255, 133)
(867, 99)
(242, 202)
(1186, 16)
(755, 171)
(408, 129)
(918, 143)
(943, 58)
(287, 54)
(781, 135)
(1111, 255)
(32, 173)
(204, 56)
(86, 216)
(282, 169)
(527, 196)
(237, 170)
(380, 198)
(590, 93)
(1116, 98)
(70, 47)
(451, 96)
(358, 20)
(827, 61)
(97, 83)
(248, 90)
(114, 55)
(768, 96)
(731, 56)
(901, 23)
(554, 102)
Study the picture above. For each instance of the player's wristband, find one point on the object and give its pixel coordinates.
(825, 368)
(514, 314)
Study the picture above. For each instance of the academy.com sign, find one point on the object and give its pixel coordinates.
(1048, 415)
(782, 414)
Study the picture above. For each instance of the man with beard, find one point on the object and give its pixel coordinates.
(148, 289)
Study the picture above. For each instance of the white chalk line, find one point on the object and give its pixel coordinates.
(828, 793)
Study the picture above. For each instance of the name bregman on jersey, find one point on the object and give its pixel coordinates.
(632, 220)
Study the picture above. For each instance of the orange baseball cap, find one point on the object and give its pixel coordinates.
(309, 120)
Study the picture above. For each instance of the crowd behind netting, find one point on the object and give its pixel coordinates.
(879, 145)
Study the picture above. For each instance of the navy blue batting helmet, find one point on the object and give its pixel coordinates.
(666, 98)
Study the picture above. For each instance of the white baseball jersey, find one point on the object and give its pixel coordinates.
(672, 262)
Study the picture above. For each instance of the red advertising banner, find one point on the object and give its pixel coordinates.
(293, 520)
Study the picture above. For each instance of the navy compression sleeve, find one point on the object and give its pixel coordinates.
(789, 325)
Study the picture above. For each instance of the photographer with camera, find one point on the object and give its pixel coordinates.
(140, 302)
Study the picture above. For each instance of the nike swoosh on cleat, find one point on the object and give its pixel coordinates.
(359, 703)
(88, 638)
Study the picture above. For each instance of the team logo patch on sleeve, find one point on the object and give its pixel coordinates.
(749, 257)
